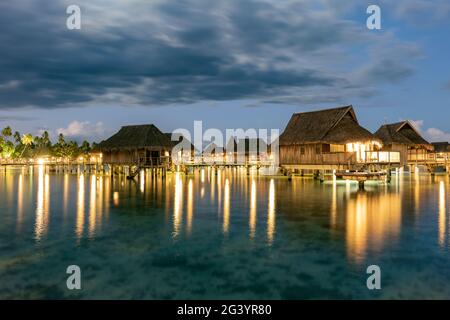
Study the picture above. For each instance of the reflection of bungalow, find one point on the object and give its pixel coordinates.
(404, 138)
(332, 138)
(142, 145)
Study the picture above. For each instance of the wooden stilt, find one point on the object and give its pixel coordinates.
(361, 184)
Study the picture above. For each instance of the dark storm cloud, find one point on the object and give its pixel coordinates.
(153, 53)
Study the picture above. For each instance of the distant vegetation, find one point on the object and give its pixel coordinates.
(14, 145)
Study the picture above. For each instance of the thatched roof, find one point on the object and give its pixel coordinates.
(401, 133)
(441, 146)
(337, 125)
(138, 136)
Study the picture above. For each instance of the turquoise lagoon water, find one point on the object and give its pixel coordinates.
(222, 235)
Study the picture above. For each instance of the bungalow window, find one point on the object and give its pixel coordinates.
(326, 148)
(302, 151)
(337, 148)
(318, 149)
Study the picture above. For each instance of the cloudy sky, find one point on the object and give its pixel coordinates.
(230, 63)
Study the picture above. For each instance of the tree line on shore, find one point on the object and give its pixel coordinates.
(14, 145)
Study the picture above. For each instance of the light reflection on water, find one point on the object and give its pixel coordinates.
(253, 207)
(271, 213)
(42, 205)
(178, 205)
(79, 227)
(302, 221)
(226, 207)
(370, 221)
(442, 214)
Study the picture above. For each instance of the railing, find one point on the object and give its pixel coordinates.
(439, 157)
(153, 161)
(381, 157)
(418, 157)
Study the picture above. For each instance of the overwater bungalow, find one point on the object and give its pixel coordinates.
(141, 145)
(188, 153)
(441, 153)
(213, 153)
(441, 147)
(245, 151)
(255, 150)
(330, 139)
(404, 138)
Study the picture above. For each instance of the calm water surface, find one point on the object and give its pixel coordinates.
(224, 235)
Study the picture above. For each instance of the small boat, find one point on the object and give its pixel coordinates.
(361, 175)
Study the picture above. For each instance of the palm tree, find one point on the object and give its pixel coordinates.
(85, 147)
(61, 140)
(7, 132)
(6, 146)
(17, 137)
(45, 138)
(27, 140)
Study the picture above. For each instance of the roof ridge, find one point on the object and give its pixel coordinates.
(139, 125)
(336, 122)
(324, 110)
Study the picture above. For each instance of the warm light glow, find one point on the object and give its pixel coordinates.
(80, 208)
(334, 202)
(40, 161)
(213, 185)
(116, 198)
(416, 190)
(65, 194)
(20, 203)
(226, 207)
(442, 214)
(377, 144)
(252, 218)
(219, 187)
(190, 204)
(93, 206)
(362, 150)
(142, 180)
(371, 221)
(42, 208)
(178, 205)
(271, 213)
